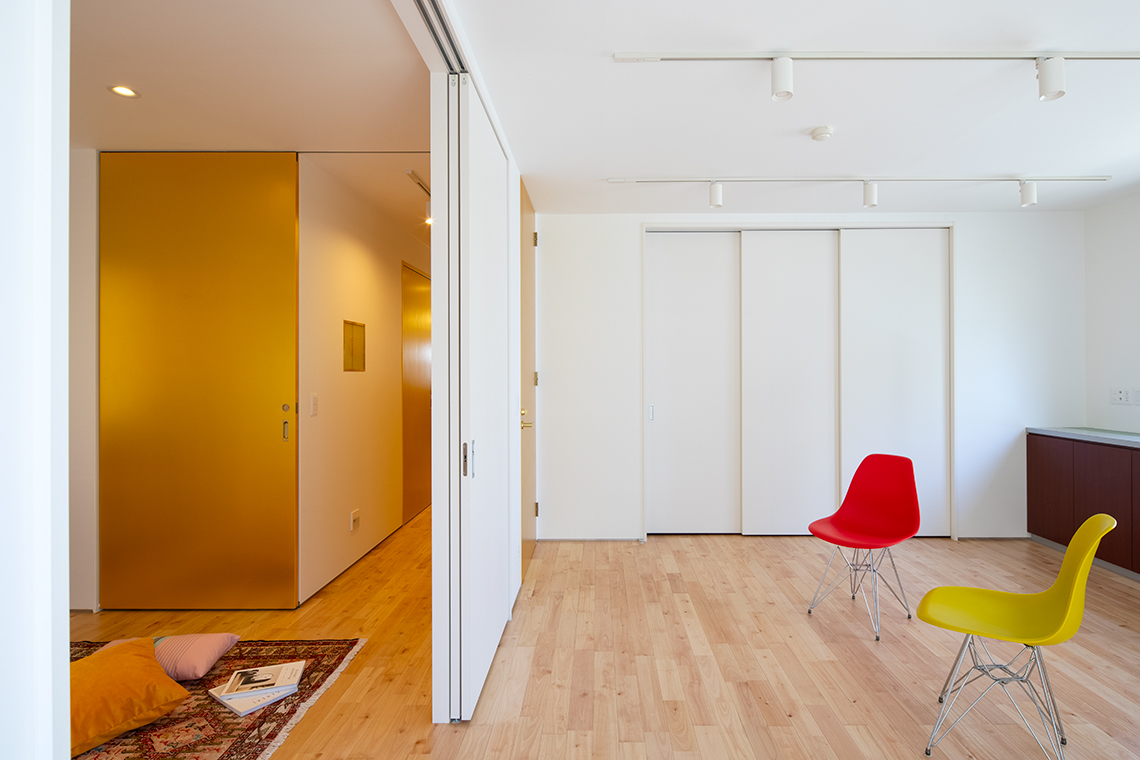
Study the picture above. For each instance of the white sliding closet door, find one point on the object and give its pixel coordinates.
(894, 370)
(485, 413)
(692, 382)
(789, 357)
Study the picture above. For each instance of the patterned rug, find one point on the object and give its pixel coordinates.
(202, 729)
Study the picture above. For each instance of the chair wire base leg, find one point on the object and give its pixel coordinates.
(863, 562)
(1015, 672)
(817, 598)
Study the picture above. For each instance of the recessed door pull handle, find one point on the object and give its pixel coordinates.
(285, 430)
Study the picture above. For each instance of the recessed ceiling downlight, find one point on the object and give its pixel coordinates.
(125, 92)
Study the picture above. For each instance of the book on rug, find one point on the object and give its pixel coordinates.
(267, 680)
(245, 704)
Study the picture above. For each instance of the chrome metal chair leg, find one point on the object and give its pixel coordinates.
(817, 598)
(875, 593)
(948, 703)
(1018, 672)
(863, 562)
(898, 580)
(1048, 688)
(949, 676)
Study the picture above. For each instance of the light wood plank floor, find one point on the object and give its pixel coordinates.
(687, 647)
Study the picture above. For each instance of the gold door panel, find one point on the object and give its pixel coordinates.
(198, 380)
(416, 390)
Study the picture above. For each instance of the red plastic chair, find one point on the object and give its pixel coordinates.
(879, 511)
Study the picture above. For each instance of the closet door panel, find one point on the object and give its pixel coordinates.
(692, 382)
(789, 379)
(894, 366)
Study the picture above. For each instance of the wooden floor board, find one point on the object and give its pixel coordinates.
(685, 648)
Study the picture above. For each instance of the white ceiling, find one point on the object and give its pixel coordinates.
(382, 179)
(573, 117)
(289, 75)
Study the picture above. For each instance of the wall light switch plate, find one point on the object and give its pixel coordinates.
(354, 520)
(1118, 395)
(313, 405)
(1136, 395)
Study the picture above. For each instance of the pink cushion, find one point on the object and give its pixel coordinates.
(190, 656)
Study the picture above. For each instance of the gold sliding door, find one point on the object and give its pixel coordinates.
(416, 392)
(198, 380)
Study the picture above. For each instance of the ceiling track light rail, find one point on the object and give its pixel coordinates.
(652, 180)
(858, 55)
(1050, 66)
(1027, 185)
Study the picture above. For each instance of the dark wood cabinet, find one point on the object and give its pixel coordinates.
(1102, 482)
(1069, 480)
(1049, 476)
(1136, 510)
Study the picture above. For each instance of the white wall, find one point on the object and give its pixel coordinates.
(350, 453)
(34, 44)
(1018, 321)
(83, 348)
(1112, 257)
(1019, 350)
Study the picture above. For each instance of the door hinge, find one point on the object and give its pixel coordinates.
(536, 240)
(536, 509)
(536, 378)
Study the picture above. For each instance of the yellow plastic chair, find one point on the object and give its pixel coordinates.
(1033, 620)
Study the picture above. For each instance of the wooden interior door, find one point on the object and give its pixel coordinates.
(415, 308)
(528, 382)
(198, 380)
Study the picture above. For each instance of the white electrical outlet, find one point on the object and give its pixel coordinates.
(1118, 395)
(353, 520)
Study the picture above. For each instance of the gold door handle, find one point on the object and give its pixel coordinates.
(526, 425)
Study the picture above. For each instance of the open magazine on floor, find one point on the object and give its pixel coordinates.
(244, 705)
(266, 680)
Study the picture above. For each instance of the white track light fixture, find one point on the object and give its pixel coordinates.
(870, 194)
(781, 79)
(1028, 194)
(1050, 78)
(716, 194)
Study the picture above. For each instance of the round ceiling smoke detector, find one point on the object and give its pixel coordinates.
(819, 134)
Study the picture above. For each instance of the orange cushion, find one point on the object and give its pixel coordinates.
(117, 689)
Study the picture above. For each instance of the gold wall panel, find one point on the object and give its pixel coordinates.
(198, 380)
(353, 346)
(416, 394)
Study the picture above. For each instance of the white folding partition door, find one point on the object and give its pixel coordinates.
(895, 366)
(692, 382)
(789, 356)
(484, 409)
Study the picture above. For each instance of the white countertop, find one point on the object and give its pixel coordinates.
(1094, 435)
